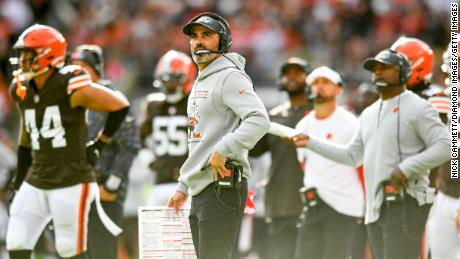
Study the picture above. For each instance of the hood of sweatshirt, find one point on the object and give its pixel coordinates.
(230, 60)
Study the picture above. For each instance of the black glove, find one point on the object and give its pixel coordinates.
(93, 151)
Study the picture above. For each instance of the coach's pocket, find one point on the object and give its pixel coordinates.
(393, 213)
(415, 218)
(232, 199)
(227, 199)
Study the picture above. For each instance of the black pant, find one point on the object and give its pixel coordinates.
(359, 240)
(214, 224)
(325, 234)
(101, 243)
(397, 234)
(283, 237)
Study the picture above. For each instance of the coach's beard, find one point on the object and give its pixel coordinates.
(382, 83)
(204, 58)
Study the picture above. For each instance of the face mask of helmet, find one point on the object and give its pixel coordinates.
(174, 75)
(172, 85)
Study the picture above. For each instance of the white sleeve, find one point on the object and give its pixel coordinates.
(302, 127)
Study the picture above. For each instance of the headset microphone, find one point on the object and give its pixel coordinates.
(313, 95)
(379, 83)
(206, 51)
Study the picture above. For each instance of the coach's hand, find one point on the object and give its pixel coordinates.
(398, 179)
(177, 200)
(217, 162)
(300, 140)
(288, 140)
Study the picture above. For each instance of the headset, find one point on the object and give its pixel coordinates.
(405, 68)
(225, 36)
(391, 57)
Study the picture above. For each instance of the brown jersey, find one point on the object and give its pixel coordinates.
(56, 131)
(165, 127)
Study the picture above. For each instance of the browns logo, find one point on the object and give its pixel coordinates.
(192, 121)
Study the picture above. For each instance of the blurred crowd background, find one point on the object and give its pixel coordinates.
(135, 33)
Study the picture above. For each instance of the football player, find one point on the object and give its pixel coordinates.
(421, 59)
(55, 180)
(113, 166)
(442, 102)
(443, 224)
(164, 129)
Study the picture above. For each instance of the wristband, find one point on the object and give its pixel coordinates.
(114, 121)
(112, 183)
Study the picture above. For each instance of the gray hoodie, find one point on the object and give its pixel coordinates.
(224, 114)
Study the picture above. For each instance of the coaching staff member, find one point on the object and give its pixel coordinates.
(225, 119)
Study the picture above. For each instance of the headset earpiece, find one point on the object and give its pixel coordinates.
(225, 38)
(405, 68)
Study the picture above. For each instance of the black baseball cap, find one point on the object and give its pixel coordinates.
(387, 56)
(207, 20)
(295, 61)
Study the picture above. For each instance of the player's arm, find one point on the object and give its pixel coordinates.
(99, 98)
(24, 156)
(102, 99)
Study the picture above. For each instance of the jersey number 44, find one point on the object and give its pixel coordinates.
(51, 127)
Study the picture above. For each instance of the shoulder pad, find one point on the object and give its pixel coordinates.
(77, 77)
(72, 69)
(431, 90)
